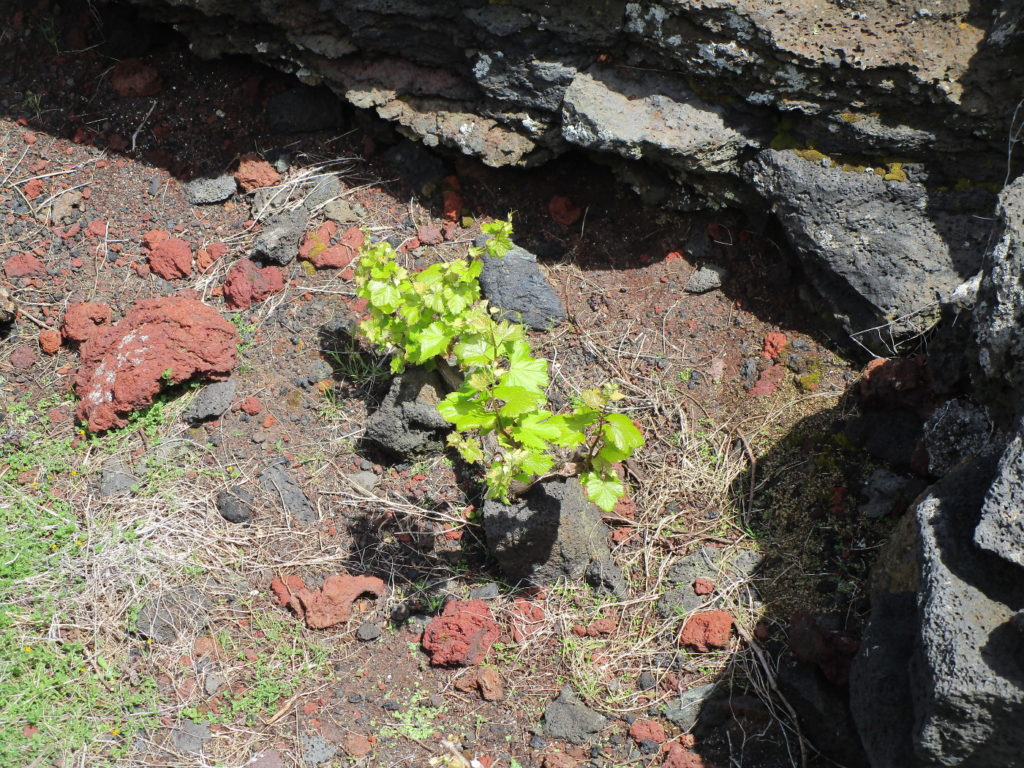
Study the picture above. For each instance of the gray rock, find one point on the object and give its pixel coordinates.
(342, 212)
(684, 711)
(736, 564)
(367, 632)
(278, 243)
(1001, 528)
(214, 682)
(881, 253)
(488, 591)
(882, 491)
(6, 309)
(315, 749)
(407, 424)
(515, 285)
(646, 114)
(958, 428)
(880, 701)
(278, 482)
(116, 479)
(999, 312)
(824, 710)
(553, 532)
(646, 681)
(678, 602)
(569, 718)
(235, 505)
(304, 110)
(188, 737)
(212, 401)
(707, 278)
(321, 191)
(172, 614)
(364, 479)
(967, 676)
(210, 189)
(605, 577)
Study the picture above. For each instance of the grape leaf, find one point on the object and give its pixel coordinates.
(622, 432)
(524, 370)
(603, 489)
(517, 399)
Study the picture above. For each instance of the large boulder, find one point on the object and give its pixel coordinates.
(999, 312)
(160, 342)
(967, 670)
(407, 424)
(553, 532)
(881, 252)
(1001, 528)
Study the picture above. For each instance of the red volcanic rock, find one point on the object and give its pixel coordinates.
(526, 619)
(461, 635)
(132, 79)
(246, 284)
(428, 234)
(678, 756)
(597, 628)
(317, 248)
(768, 381)
(703, 586)
(255, 172)
(23, 357)
(706, 630)
(898, 383)
(564, 211)
(774, 343)
(832, 651)
(171, 258)
(83, 319)
(251, 405)
(647, 730)
(24, 265)
(49, 341)
(159, 342)
(329, 605)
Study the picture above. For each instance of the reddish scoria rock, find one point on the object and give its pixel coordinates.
(527, 618)
(769, 381)
(706, 630)
(461, 635)
(83, 319)
(246, 284)
(678, 756)
(132, 79)
(647, 730)
(170, 257)
(24, 265)
(254, 172)
(159, 342)
(49, 341)
(329, 605)
(774, 343)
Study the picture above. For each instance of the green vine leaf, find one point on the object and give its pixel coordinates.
(604, 489)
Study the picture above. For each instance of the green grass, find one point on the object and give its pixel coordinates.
(61, 694)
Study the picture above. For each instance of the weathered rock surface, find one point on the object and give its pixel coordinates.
(461, 635)
(330, 604)
(407, 423)
(569, 718)
(159, 342)
(276, 480)
(246, 284)
(553, 532)
(999, 313)
(278, 243)
(212, 401)
(682, 96)
(1001, 528)
(967, 672)
(879, 251)
(515, 284)
(210, 189)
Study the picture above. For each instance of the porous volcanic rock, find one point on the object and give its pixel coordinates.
(24, 265)
(246, 284)
(158, 343)
(329, 605)
(461, 635)
(83, 319)
(133, 78)
(707, 630)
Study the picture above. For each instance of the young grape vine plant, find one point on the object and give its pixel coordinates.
(500, 412)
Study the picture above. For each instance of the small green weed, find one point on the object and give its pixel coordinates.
(416, 722)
